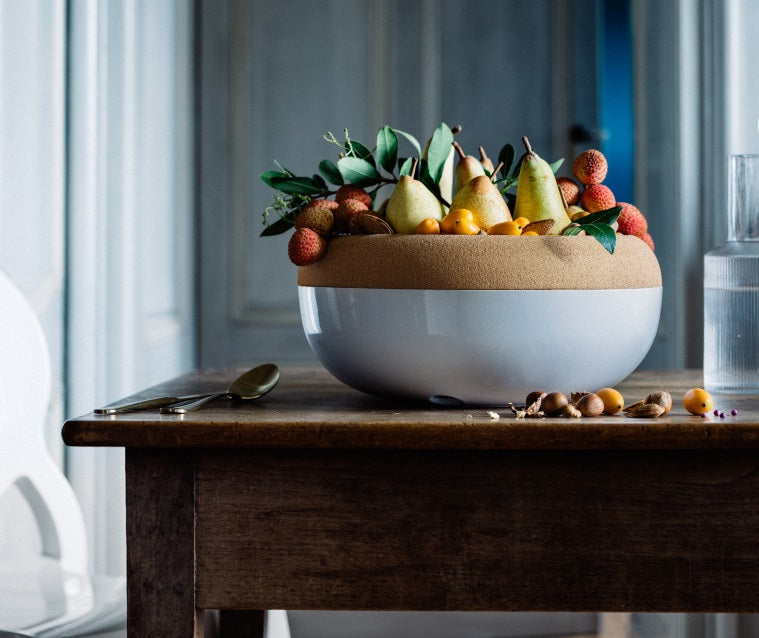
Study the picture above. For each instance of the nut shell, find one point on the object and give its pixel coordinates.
(645, 410)
(534, 396)
(571, 411)
(662, 398)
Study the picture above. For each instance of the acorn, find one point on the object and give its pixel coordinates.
(590, 404)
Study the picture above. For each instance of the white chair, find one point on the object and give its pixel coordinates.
(52, 594)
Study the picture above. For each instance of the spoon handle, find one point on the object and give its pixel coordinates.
(144, 404)
(184, 408)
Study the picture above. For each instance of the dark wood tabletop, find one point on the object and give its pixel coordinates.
(320, 497)
(311, 409)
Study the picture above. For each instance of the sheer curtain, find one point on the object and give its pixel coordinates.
(129, 223)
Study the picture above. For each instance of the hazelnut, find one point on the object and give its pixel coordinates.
(590, 404)
(554, 403)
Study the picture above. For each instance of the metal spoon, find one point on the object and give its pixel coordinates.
(251, 385)
(158, 402)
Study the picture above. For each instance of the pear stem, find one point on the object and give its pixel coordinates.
(494, 174)
(459, 150)
(456, 129)
(413, 167)
(483, 154)
(526, 143)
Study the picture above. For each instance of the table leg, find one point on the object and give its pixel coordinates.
(161, 544)
(241, 624)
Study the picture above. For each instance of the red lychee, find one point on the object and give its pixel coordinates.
(569, 189)
(305, 247)
(331, 204)
(631, 221)
(649, 240)
(597, 197)
(590, 167)
(318, 218)
(353, 192)
(347, 209)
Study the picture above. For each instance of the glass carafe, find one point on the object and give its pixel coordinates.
(731, 289)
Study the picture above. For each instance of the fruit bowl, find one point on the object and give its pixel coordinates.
(480, 320)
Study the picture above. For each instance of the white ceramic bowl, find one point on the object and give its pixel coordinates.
(478, 346)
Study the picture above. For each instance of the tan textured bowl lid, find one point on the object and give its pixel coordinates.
(482, 262)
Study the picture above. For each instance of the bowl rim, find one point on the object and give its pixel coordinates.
(483, 262)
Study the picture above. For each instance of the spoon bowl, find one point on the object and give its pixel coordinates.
(250, 385)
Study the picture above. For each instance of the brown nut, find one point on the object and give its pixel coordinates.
(554, 403)
(662, 398)
(590, 404)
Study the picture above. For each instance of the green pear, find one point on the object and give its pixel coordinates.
(538, 195)
(485, 201)
(467, 169)
(410, 204)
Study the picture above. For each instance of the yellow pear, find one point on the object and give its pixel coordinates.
(467, 169)
(538, 194)
(410, 204)
(483, 198)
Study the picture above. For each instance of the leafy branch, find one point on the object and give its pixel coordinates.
(359, 166)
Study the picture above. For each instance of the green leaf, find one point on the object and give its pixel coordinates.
(572, 230)
(280, 226)
(412, 140)
(608, 216)
(517, 167)
(603, 233)
(331, 173)
(507, 183)
(406, 166)
(555, 166)
(507, 157)
(438, 151)
(296, 185)
(358, 171)
(430, 183)
(387, 148)
(357, 149)
(269, 175)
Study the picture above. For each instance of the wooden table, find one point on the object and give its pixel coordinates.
(320, 497)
